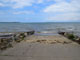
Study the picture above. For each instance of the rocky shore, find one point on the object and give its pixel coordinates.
(70, 35)
(8, 39)
(37, 47)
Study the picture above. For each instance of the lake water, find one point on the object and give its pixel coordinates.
(40, 27)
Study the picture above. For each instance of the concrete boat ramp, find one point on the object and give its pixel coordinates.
(40, 51)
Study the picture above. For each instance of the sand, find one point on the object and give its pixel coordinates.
(43, 48)
(49, 39)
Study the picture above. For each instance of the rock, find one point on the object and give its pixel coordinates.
(62, 33)
(6, 39)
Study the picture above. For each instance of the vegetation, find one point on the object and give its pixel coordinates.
(71, 36)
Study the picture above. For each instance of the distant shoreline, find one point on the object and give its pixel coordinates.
(39, 22)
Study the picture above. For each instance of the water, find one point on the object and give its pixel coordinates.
(40, 27)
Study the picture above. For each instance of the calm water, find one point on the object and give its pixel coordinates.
(39, 27)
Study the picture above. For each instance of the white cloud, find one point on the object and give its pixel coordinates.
(59, 0)
(21, 3)
(23, 12)
(18, 3)
(63, 7)
(63, 11)
(1, 4)
(64, 17)
(40, 1)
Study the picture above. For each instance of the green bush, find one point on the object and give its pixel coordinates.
(71, 36)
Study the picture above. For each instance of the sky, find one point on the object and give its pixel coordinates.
(39, 10)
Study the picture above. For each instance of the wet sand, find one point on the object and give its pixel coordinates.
(42, 48)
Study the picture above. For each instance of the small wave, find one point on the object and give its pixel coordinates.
(45, 32)
(48, 29)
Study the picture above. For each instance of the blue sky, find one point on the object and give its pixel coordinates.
(39, 10)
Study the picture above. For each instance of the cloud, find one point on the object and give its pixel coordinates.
(65, 17)
(40, 1)
(63, 11)
(63, 7)
(59, 0)
(57, 10)
(23, 12)
(1, 4)
(18, 3)
(21, 3)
